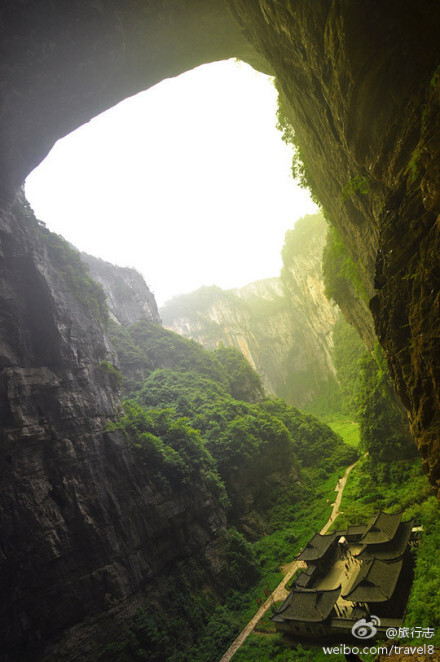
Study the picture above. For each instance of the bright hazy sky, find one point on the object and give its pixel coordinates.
(188, 182)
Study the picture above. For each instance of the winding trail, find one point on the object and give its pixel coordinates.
(281, 593)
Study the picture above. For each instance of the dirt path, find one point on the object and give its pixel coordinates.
(281, 593)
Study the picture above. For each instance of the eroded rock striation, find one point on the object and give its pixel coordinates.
(361, 85)
(84, 526)
(360, 82)
(283, 326)
(128, 296)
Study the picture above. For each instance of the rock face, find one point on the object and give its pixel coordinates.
(128, 296)
(283, 326)
(360, 81)
(362, 84)
(75, 506)
(363, 95)
(64, 64)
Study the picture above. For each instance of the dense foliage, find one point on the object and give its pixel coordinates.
(247, 441)
(300, 170)
(197, 418)
(401, 486)
(423, 607)
(170, 450)
(314, 443)
(75, 274)
(365, 395)
(392, 486)
(244, 383)
(348, 351)
(340, 272)
(145, 347)
(384, 430)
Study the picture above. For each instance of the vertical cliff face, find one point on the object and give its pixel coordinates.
(84, 527)
(283, 326)
(258, 321)
(127, 294)
(361, 81)
(361, 84)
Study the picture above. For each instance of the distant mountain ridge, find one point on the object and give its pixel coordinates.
(128, 296)
(282, 325)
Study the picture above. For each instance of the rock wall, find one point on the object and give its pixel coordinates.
(361, 82)
(128, 296)
(84, 528)
(283, 326)
(65, 62)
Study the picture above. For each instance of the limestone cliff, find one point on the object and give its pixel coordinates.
(361, 85)
(128, 296)
(77, 509)
(360, 80)
(283, 326)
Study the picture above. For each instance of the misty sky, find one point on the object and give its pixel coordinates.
(188, 182)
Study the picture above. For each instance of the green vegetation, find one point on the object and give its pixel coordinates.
(315, 444)
(384, 430)
(364, 410)
(392, 486)
(348, 351)
(359, 184)
(198, 420)
(401, 486)
(113, 373)
(75, 274)
(188, 623)
(364, 403)
(435, 77)
(244, 383)
(413, 167)
(248, 441)
(264, 649)
(423, 606)
(300, 171)
(169, 448)
(340, 272)
(145, 347)
(347, 429)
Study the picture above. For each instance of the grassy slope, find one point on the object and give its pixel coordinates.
(401, 486)
(345, 427)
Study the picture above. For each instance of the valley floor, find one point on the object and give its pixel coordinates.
(281, 592)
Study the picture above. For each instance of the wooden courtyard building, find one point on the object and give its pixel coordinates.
(348, 575)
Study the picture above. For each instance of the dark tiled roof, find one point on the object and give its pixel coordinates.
(375, 581)
(307, 605)
(389, 550)
(356, 530)
(317, 547)
(303, 579)
(381, 528)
